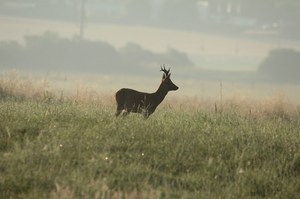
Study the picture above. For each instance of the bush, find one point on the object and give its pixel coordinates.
(282, 65)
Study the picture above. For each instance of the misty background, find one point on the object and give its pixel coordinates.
(223, 40)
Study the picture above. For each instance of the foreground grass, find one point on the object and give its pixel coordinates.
(68, 150)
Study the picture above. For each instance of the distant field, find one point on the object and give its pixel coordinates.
(95, 86)
(54, 145)
(208, 51)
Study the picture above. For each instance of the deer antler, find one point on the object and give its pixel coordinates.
(164, 70)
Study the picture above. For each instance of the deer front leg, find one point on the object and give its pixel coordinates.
(147, 112)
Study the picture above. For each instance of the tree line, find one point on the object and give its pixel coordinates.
(281, 14)
(51, 52)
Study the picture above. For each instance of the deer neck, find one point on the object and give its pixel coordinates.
(160, 94)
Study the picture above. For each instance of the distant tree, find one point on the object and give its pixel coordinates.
(282, 65)
(179, 12)
(135, 55)
(177, 58)
(9, 51)
(51, 52)
(139, 10)
(271, 10)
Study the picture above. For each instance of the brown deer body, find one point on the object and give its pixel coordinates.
(134, 101)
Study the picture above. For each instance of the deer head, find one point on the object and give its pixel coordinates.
(166, 81)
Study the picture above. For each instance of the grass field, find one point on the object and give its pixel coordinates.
(56, 147)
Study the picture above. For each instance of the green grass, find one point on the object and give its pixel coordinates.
(69, 150)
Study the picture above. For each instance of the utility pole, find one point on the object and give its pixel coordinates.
(82, 19)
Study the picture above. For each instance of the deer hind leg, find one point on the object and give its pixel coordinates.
(119, 101)
(118, 112)
(125, 113)
(119, 109)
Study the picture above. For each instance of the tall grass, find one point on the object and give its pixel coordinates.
(58, 148)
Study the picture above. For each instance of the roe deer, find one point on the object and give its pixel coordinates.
(134, 101)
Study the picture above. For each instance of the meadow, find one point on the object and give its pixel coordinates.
(54, 145)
